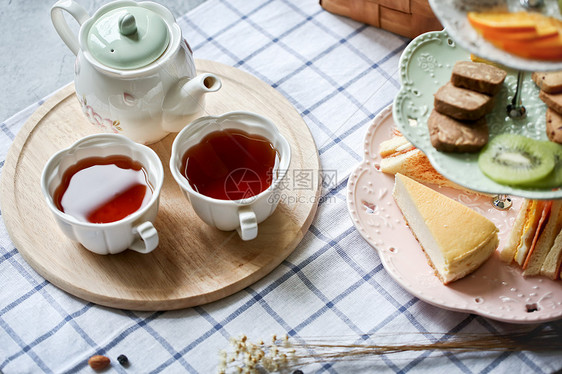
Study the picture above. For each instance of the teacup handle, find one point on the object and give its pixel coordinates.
(248, 229)
(149, 237)
(57, 17)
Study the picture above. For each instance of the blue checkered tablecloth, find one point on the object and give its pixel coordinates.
(338, 74)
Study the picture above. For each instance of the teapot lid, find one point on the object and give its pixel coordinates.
(128, 37)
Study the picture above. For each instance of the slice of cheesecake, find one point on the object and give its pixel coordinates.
(455, 238)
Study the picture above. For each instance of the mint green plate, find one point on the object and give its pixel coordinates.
(426, 65)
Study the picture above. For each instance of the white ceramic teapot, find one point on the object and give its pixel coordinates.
(134, 72)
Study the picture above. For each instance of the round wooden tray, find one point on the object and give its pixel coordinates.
(194, 263)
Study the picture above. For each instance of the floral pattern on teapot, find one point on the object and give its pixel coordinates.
(105, 124)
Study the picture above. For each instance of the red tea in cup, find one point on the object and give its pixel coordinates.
(103, 189)
(230, 164)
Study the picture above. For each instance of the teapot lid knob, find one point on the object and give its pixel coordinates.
(127, 24)
(128, 37)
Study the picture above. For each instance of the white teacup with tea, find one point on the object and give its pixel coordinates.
(229, 168)
(104, 192)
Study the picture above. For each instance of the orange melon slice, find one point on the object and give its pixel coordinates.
(515, 22)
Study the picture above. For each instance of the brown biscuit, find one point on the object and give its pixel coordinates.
(553, 101)
(550, 82)
(462, 104)
(477, 76)
(554, 126)
(449, 135)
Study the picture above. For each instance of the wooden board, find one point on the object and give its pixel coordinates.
(194, 263)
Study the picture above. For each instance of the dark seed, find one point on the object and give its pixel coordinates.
(298, 372)
(123, 360)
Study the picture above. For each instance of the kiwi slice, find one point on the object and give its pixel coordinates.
(554, 178)
(515, 159)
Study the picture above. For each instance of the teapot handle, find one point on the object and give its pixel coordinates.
(57, 17)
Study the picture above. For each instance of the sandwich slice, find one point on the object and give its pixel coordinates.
(398, 155)
(455, 238)
(551, 266)
(537, 254)
(535, 222)
(535, 241)
(508, 250)
(531, 219)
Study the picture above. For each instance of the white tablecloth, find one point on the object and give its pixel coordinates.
(338, 74)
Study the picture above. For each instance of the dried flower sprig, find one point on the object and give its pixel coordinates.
(248, 357)
(284, 354)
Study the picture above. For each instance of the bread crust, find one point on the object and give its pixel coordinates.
(551, 265)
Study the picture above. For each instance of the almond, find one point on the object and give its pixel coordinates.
(98, 362)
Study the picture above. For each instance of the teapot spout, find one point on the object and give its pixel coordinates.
(202, 84)
(185, 100)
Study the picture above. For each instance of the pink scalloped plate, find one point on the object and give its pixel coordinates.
(496, 290)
